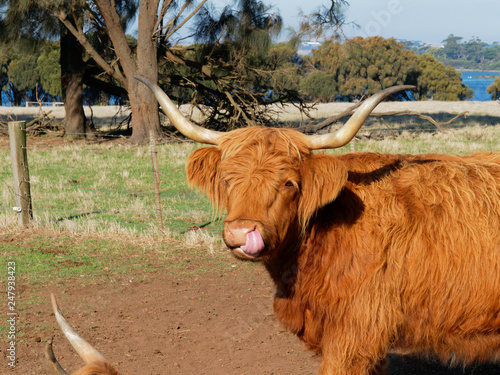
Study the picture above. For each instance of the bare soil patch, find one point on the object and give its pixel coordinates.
(167, 321)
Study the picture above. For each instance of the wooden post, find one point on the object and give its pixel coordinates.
(156, 175)
(19, 156)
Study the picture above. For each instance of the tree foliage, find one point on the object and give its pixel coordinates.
(34, 22)
(361, 67)
(31, 71)
(473, 54)
(321, 86)
(439, 82)
(49, 70)
(494, 89)
(234, 71)
(326, 21)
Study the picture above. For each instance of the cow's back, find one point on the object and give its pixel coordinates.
(439, 218)
(412, 244)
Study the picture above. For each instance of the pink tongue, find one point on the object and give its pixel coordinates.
(255, 243)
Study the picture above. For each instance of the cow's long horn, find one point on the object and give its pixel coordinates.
(82, 347)
(344, 135)
(186, 127)
(54, 366)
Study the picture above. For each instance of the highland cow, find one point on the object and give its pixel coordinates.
(95, 363)
(371, 254)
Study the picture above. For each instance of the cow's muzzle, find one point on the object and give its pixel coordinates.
(244, 239)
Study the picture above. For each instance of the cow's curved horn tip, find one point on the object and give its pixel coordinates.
(49, 351)
(139, 78)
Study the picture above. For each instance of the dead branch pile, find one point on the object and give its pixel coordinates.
(43, 124)
(314, 128)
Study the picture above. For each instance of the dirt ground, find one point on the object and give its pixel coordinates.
(211, 323)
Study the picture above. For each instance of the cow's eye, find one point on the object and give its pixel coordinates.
(289, 184)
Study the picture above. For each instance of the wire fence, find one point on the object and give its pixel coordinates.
(87, 185)
(105, 184)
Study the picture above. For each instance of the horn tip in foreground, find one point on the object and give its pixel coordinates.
(54, 367)
(54, 301)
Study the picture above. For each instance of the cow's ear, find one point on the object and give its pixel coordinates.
(322, 179)
(202, 172)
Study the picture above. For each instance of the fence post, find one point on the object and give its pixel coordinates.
(156, 175)
(19, 156)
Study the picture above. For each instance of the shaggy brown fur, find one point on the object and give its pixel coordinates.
(97, 368)
(370, 253)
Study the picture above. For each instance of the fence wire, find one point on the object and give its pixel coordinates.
(110, 185)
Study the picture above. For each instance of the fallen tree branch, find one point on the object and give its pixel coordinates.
(419, 115)
(311, 128)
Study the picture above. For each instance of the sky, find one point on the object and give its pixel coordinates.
(429, 21)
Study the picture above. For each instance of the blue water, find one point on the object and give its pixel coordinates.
(479, 84)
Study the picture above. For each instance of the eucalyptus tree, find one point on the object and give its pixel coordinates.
(236, 78)
(27, 23)
(36, 21)
(158, 21)
(96, 29)
(364, 66)
(439, 82)
(32, 72)
(359, 67)
(494, 89)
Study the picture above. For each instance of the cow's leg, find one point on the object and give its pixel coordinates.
(355, 366)
(353, 347)
(382, 367)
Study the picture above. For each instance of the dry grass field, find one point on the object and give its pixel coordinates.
(105, 116)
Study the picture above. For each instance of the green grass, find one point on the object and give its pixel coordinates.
(89, 188)
(95, 215)
(44, 257)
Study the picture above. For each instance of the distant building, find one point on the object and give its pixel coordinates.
(433, 45)
(306, 47)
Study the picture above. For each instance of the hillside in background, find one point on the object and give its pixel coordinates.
(461, 55)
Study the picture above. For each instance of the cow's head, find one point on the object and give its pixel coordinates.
(95, 363)
(269, 180)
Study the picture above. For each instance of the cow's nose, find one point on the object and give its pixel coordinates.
(236, 235)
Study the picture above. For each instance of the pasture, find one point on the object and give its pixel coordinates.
(162, 300)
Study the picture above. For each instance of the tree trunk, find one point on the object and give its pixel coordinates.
(145, 113)
(17, 96)
(143, 105)
(72, 73)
